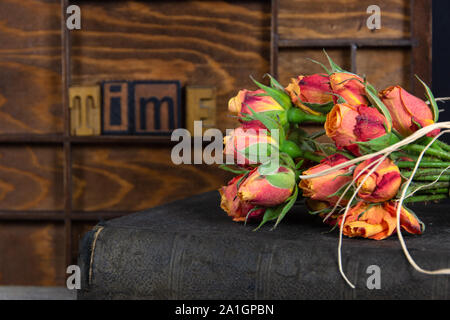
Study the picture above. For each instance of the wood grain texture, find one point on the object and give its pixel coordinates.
(382, 67)
(330, 19)
(133, 178)
(293, 62)
(30, 178)
(32, 254)
(30, 86)
(385, 67)
(218, 43)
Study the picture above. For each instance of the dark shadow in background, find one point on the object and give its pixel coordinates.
(441, 57)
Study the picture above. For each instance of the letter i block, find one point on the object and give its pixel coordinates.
(157, 107)
(115, 115)
(84, 110)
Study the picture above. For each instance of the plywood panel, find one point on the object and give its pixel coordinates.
(32, 254)
(31, 178)
(293, 62)
(218, 43)
(331, 19)
(385, 67)
(133, 178)
(30, 51)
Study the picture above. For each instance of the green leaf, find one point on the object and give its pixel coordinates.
(299, 164)
(232, 169)
(430, 97)
(380, 143)
(376, 102)
(279, 96)
(287, 160)
(287, 207)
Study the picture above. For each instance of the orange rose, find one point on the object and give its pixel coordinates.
(350, 87)
(249, 145)
(267, 190)
(234, 207)
(382, 184)
(311, 89)
(321, 188)
(256, 100)
(347, 124)
(377, 221)
(406, 110)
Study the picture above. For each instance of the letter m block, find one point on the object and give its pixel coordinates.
(157, 107)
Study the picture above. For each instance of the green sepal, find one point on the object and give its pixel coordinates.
(334, 67)
(376, 102)
(269, 215)
(269, 123)
(323, 108)
(268, 168)
(282, 180)
(430, 97)
(279, 96)
(320, 64)
(290, 202)
(274, 83)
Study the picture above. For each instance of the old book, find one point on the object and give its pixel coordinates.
(190, 249)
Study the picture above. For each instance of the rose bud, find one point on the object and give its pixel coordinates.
(267, 190)
(405, 109)
(350, 87)
(408, 221)
(234, 207)
(311, 89)
(382, 184)
(321, 188)
(347, 124)
(249, 145)
(377, 221)
(256, 100)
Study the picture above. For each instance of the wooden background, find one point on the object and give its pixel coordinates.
(211, 42)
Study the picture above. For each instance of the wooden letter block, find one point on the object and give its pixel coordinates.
(115, 115)
(84, 110)
(157, 107)
(200, 105)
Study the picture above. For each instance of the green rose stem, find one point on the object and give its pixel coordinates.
(425, 172)
(426, 186)
(423, 164)
(296, 115)
(431, 178)
(434, 191)
(415, 148)
(443, 145)
(424, 198)
(293, 150)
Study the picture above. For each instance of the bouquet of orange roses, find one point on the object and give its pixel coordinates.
(383, 152)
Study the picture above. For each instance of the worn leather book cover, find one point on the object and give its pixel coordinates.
(190, 249)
